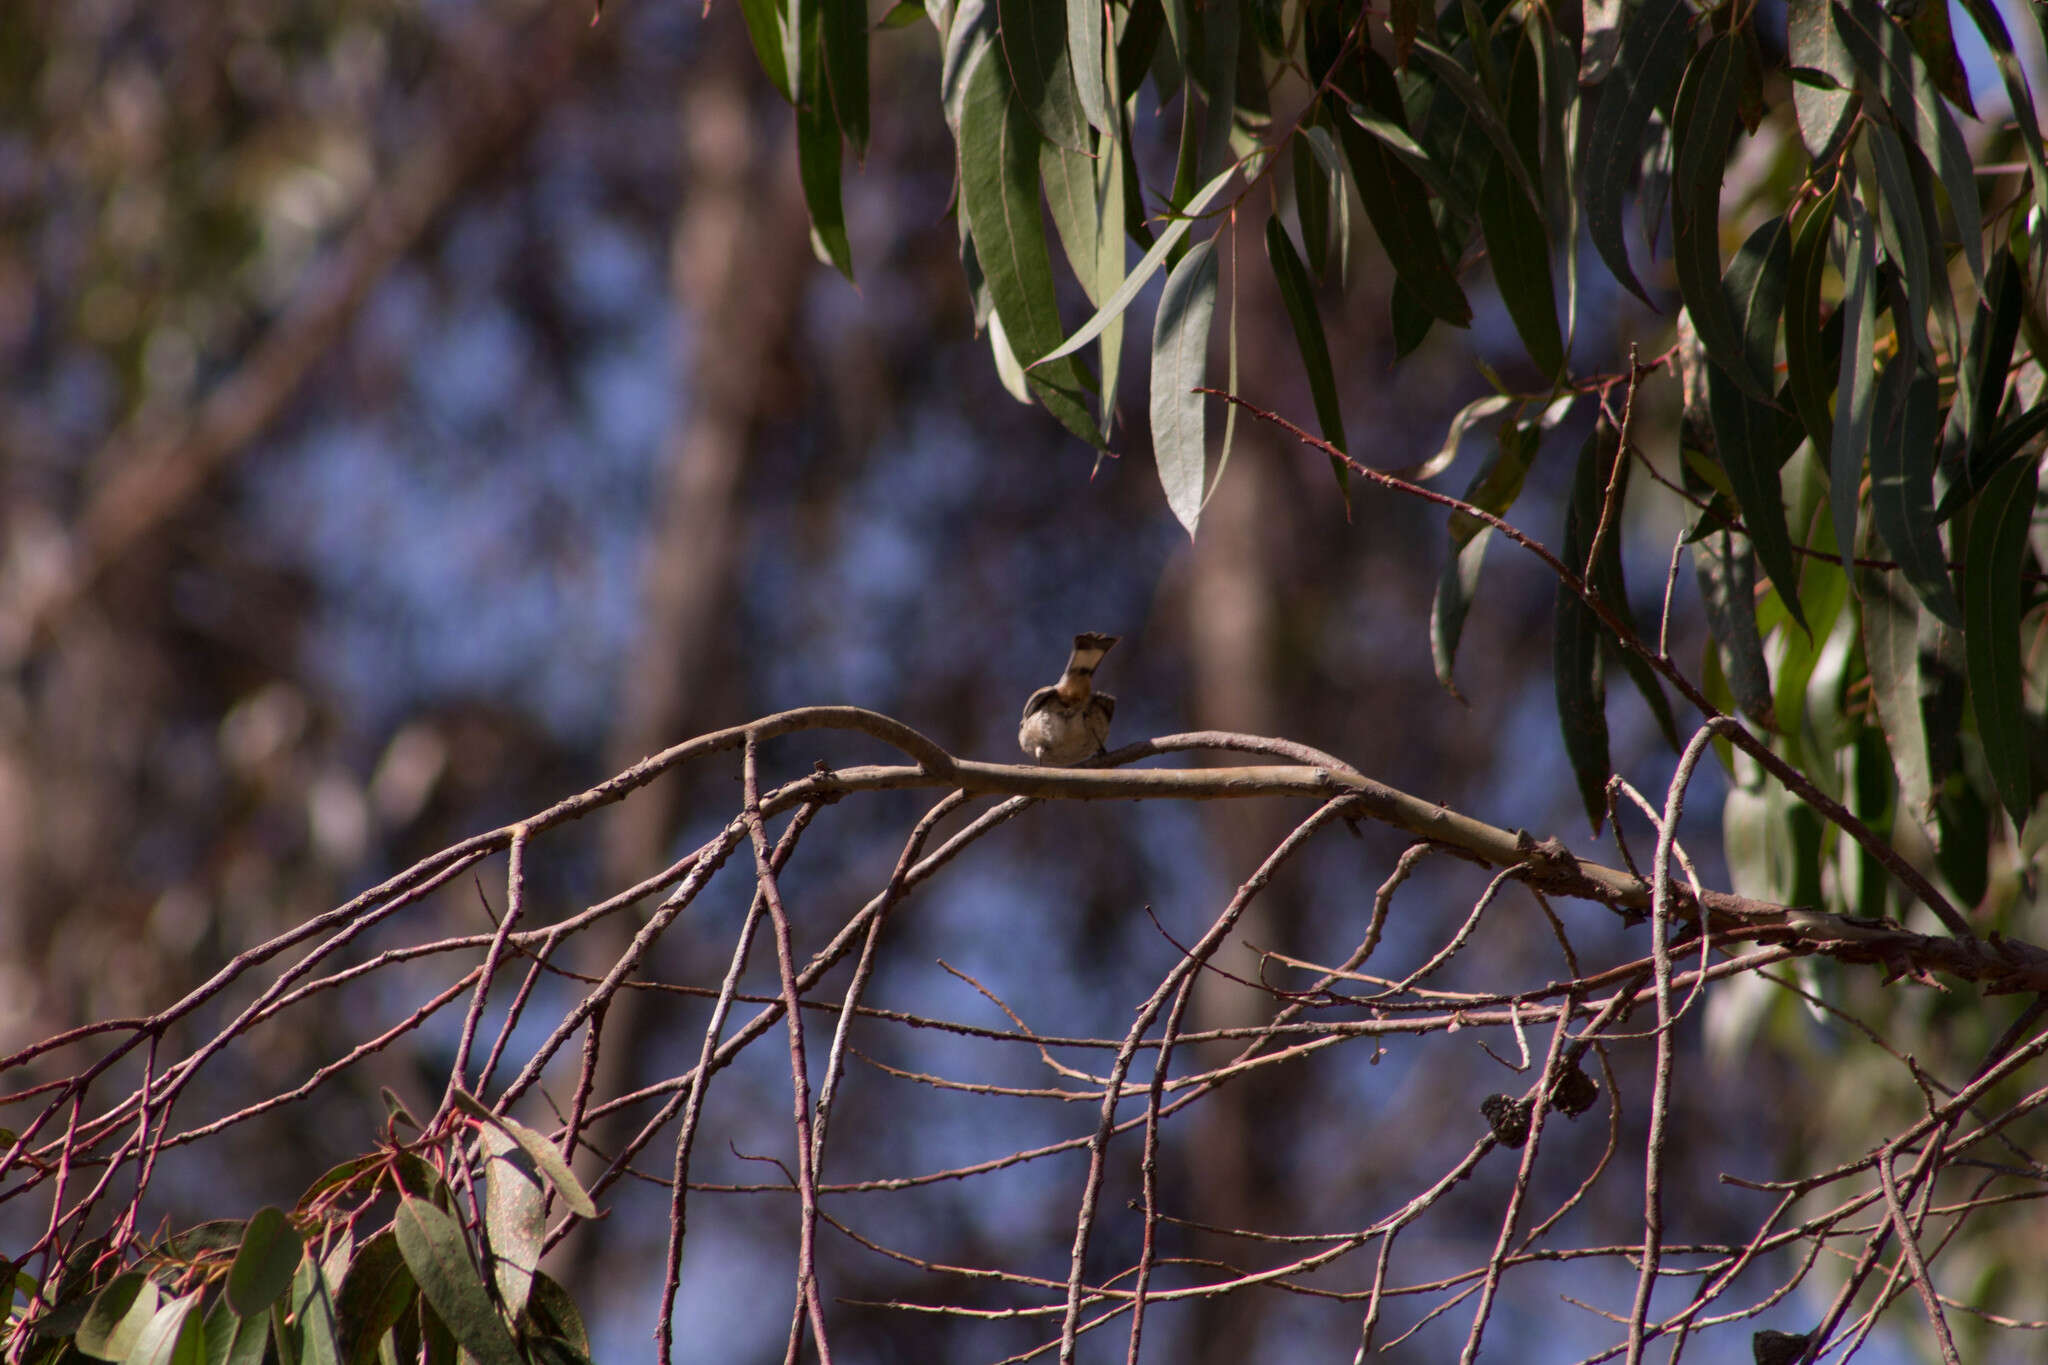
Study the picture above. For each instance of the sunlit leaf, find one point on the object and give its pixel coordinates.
(175, 1336)
(119, 1312)
(438, 1258)
(765, 20)
(514, 1219)
(1891, 651)
(263, 1267)
(1085, 51)
(1855, 384)
(1180, 350)
(1032, 35)
(1725, 567)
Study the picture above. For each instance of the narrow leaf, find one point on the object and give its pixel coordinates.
(1704, 123)
(844, 26)
(1891, 652)
(1517, 235)
(1999, 40)
(1489, 119)
(1885, 58)
(1725, 566)
(1478, 410)
(547, 1158)
(1142, 273)
(1806, 363)
(1033, 35)
(1647, 67)
(999, 194)
(1394, 198)
(1576, 649)
(1855, 384)
(1994, 555)
(1180, 350)
(1299, 296)
(1902, 460)
(514, 1218)
(764, 19)
(1085, 51)
(817, 154)
(1901, 222)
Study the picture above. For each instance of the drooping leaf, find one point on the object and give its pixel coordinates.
(1855, 384)
(1928, 26)
(1901, 224)
(765, 20)
(843, 26)
(438, 1258)
(1311, 205)
(1032, 36)
(1891, 652)
(1494, 489)
(264, 1266)
(818, 154)
(1576, 645)
(1478, 410)
(1142, 273)
(1822, 111)
(1807, 365)
(1992, 591)
(1394, 197)
(1889, 67)
(1647, 67)
(1299, 297)
(1215, 72)
(1704, 124)
(1517, 237)
(1752, 442)
(1902, 459)
(1490, 120)
(999, 194)
(1726, 569)
(1999, 40)
(1091, 75)
(547, 1158)
(1982, 375)
(1180, 350)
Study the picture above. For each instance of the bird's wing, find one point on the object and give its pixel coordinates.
(1039, 700)
(1108, 705)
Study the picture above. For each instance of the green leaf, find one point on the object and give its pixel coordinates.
(1394, 197)
(1091, 77)
(1993, 599)
(1901, 222)
(1928, 25)
(1478, 410)
(999, 194)
(1487, 118)
(1033, 36)
(1647, 67)
(1416, 158)
(902, 14)
(374, 1295)
(1891, 652)
(119, 1312)
(175, 1336)
(1822, 111)
(1999, 40)
(263, 1268)
(555, 1313)
(1215, 71)
(1806, 363)
(1142, 273)
(1902, 459)
(817, 155)
(1576, 646)
(1704, 124)
(764, 19)
(1311, 205)
(1982, 376)
(436, 1254)
(547, 1158)
(844, 25)
(515, 1221)
(1517, 236)
(1725, 566)
(1752, 444)
(1825, 588)
(1180, 353)
(1885, 58)
(1855, 384)
(1494, 489)
(232, 1340)
(1299, 296)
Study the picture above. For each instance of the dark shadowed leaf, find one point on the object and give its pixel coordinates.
(1703, 125)
(1299, 296)
(374, 1294)
(1726, 570)
(1647, 67)
(1822, 110)
(1394, 197)
(1995, 551)
(845, 32)
(817, 148)
(1807, 364)
(1902, 460)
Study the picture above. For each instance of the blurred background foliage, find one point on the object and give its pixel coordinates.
(412, 411)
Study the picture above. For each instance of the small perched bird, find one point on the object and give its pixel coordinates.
(1068, 722)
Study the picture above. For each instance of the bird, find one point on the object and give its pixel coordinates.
(1068, 722)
